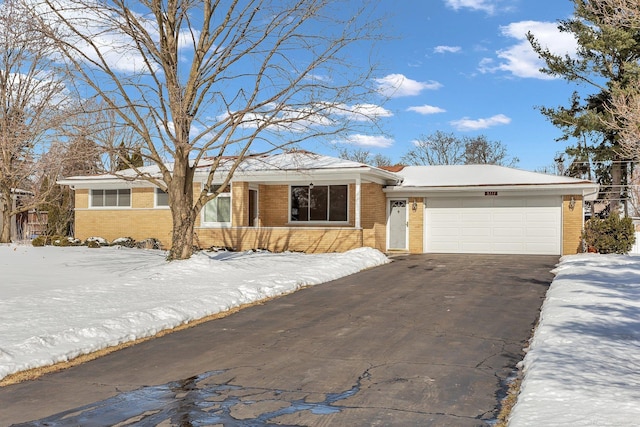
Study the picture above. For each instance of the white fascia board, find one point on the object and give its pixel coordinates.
(588, 191)
(106, 183)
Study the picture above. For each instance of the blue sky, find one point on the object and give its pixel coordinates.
(464, 66)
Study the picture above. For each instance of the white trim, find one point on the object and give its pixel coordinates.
(358, 201)
(406, 239)
(117, 199)
(207, 224)
(155, 199)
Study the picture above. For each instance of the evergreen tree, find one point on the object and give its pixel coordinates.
(606, 55)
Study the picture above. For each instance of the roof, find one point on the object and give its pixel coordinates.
(291, 162)
(300, 165)
(473, 178)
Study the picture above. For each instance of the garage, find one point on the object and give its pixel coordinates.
(486, 209)
(494, 225)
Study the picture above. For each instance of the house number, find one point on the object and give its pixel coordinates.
(490, 193)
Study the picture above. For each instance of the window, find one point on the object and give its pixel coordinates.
(319, 203)
(162, 198)
(111, 198)
(218, 210)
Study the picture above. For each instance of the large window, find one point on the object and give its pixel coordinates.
(319, 203)
(111, 198)
(218, 210)
(162, 198)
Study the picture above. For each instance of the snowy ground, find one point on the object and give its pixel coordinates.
(583, 365)
(57, 303)
(582, 369)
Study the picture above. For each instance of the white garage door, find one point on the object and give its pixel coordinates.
(494, 225)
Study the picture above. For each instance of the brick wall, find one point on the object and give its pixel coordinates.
(572, 223)
(139, 222)
(276, 233)
(240, 204)
(416, 225)
(373, 217)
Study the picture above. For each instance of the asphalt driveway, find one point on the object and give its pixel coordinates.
(427, 340)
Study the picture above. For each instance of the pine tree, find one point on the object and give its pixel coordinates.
(606, 54)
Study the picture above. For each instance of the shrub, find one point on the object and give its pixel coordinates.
(150, 243)
(101, 241)
(67, 241)
(610, 235)
(93, 244)
(39, 241)
(127, 242)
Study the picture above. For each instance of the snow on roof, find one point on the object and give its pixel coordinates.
(290, 161)
(297, 160)
(477, 176)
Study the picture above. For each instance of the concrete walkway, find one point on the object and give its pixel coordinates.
(427, 340)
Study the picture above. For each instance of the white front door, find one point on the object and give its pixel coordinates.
(397, 224)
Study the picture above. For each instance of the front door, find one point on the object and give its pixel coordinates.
(398, 224)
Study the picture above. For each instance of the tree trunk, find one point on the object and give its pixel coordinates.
(5, 234)
(183, 214)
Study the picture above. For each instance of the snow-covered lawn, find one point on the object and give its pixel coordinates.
(58, 303)
(583, 365)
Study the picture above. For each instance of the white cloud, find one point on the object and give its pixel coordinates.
(476, 5)
(362, 112)
(105, 41)
(447, 49)
(426, 109)
(397, 85)
(466, 123)
(520, 59)
(369, 141)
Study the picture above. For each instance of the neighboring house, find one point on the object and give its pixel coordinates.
(20, 224)
(301, 201)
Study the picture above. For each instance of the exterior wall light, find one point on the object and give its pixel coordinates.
(572, 203)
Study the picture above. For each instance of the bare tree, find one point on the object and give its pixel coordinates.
(201, 80)
(364, 156)
(77, 152)
(439, 148)
(481, 151)
(32, 100)
(442, 148)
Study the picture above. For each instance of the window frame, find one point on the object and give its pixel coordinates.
(328, 210)
(218, 224)
(92, 198)
(156, 192)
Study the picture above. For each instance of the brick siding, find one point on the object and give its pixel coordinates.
(572, 224)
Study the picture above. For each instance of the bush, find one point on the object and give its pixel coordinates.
(612, 235)
(127, 242)
(93, 244)
(100, 241)
(39, 241)
(150, 243)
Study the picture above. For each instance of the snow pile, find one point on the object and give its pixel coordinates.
(58, 303)
(583, 365)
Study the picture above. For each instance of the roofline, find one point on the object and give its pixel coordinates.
(365, 172)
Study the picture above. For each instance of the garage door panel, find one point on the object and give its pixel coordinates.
(476, 231)
(494, 225)
(501, 233)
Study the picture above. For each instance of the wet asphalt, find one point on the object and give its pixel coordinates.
(428, 340)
